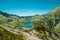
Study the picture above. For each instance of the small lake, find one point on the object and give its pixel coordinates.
(28, 25)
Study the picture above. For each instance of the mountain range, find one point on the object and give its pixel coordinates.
(46, 26)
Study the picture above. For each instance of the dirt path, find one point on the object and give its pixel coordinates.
(30, 37)
(17, 31)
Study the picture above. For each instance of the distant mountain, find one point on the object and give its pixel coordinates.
(46, 26)
(5, 14)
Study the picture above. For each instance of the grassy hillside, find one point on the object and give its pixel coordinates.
(2, 18)
(5, 35)
(10, 19)
(48, 26)
(14, 21)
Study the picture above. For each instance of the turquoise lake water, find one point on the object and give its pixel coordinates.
(28, 25)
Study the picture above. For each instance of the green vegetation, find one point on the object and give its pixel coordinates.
(6, 35)
(2, 19)
(16, 23)
(48, 26)
(10, 19)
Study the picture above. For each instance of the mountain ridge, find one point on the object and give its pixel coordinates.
(45, 26)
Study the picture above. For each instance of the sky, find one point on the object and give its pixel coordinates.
(28, 7)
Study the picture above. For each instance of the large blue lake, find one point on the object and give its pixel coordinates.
(28, 25)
